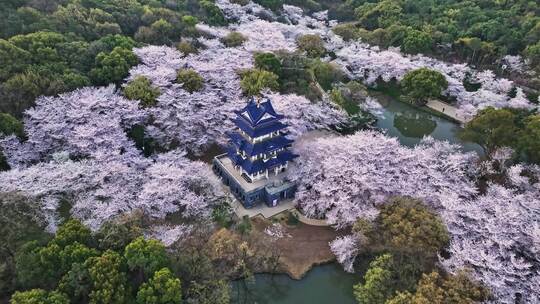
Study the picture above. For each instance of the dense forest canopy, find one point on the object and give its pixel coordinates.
(479, 32)
(50, 47)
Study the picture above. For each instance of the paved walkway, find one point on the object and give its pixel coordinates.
(309, 221)
(445, 109)
(260, 209)
(267, 212)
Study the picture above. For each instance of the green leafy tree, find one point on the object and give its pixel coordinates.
(255, 80)
(162, 288)
(213, 13)
(529, 140)
(422, 84)
(21, 221)
(244, 227)
(432, 288)
(379, 15)
(72, 231)
(326, 74)
(191, 80)
(271, 4)
(213, 291)
(532, 52)
(233, 39)
(109, 42)
(113, 67)
(163, 32)
(492, 128)
(144, 257)
(9, 125)
(109, 283)
(76, 283)
(42, 46)
(190, 20)
(117, 234)
(313, 45)
(377, 287)
(141, 89)
(39, 296)
(75, 253)
(20, 91)
(44, 266)
(268, 62)
(416, 42)
(14, 58)
(347, 31)
(28, 265)
(406, 224)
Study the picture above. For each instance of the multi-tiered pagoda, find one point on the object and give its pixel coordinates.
(257, 157)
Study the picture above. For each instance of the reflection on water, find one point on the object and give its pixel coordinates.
(322, 285)
(416, 125)
(410, 124)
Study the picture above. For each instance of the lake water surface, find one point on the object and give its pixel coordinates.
(410, 124)
(326, 284)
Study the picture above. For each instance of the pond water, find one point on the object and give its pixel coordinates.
(410, 124)
(322, 285)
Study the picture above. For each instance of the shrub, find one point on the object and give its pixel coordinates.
(254, 81)
(141, 89)
(313, 45)
(233, 39)
(186, 48)
(191, 80)
(9, 125)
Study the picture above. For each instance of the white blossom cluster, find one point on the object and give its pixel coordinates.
(78, 151)
(159, 64)
(370, 64)
(497, 235)
(346, 249)
(102, 189)
(169, 234)
(276, 231)
(243, 13)
(195, 121)
(344, 178)
(88, 122)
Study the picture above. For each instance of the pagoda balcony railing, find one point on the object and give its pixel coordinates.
(265, 147)
(250, 166)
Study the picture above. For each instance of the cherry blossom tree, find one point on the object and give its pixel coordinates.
(344, 178)
(88, 122)
(101, 189)
(169, 234)
(197, 120)
(346, 248)
(497, 236)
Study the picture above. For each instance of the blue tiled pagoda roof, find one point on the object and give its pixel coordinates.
(262, 129)
(259, 165)
(266, 146)
(258, 113)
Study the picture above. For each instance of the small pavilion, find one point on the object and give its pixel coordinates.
(254, 167)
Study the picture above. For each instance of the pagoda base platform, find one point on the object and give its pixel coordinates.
(271, 191)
